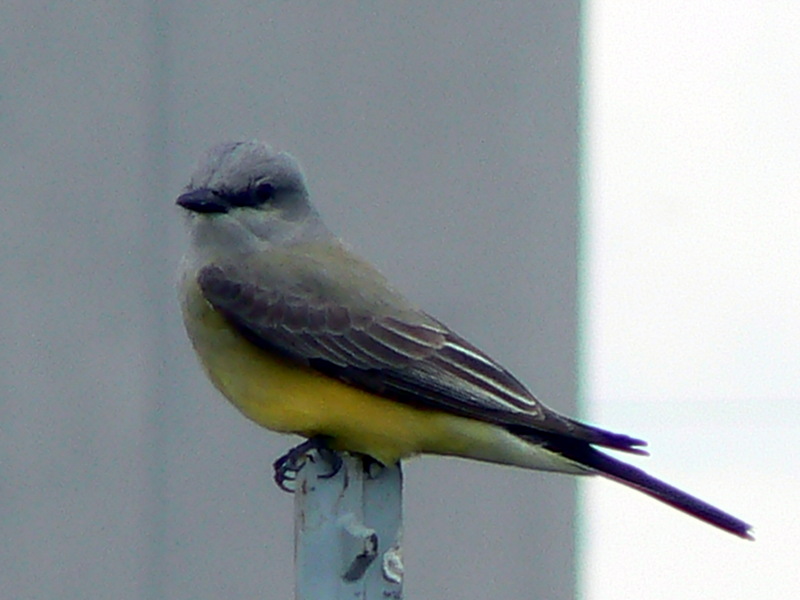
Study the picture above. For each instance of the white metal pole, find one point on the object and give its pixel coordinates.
(348, 531)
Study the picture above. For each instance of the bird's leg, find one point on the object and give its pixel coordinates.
(372, 466)
(288, 465)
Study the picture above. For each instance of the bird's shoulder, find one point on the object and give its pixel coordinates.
(315, 273)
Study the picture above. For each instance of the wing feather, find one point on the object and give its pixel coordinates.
(396, 351)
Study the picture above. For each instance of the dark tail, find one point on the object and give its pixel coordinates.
(638, 479)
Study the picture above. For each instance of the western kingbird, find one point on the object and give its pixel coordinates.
(304, 337)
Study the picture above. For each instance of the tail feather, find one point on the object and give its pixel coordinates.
(636, 478)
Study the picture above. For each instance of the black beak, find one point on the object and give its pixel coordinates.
(202, 201)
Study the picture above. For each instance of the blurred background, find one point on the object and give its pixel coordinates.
(602, 195)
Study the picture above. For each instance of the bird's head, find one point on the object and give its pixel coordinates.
(245, 196)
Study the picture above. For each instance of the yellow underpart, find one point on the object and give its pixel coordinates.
(287, 397)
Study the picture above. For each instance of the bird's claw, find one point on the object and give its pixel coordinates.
(288, 465)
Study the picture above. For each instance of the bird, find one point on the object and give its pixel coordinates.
(304, 337)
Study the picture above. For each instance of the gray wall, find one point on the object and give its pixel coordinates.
(440, 139)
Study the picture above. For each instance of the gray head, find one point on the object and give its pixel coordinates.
(244, 196)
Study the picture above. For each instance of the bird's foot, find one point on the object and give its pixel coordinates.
(288, 465)
(372, 466)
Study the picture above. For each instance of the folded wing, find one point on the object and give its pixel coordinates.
(391, 350)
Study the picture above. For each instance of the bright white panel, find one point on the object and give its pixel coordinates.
(692, 291)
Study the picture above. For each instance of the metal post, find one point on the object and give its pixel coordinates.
(348, 531)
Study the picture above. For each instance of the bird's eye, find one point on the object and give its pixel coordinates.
(253, 196)
(263, 193)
